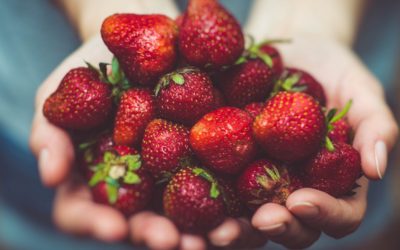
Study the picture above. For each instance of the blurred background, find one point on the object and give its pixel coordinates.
(25, 206)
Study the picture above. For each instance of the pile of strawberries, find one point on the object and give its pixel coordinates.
(189, 123)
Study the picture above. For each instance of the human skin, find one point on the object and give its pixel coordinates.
(320, 45)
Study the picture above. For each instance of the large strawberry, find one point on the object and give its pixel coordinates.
(185, 95)
(145, 45)
(119, 181)
(291, 127)
(209, 35)
(193, 200)
(223, 140)
(165, 147)
(262, 182)
(334, 172)
(80, 102)
(136, 109)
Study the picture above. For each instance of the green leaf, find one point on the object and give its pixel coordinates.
(290, 81)
(241, 60)
(178, 79)
(112, 193)
(111, 181)
(108, 157)
(342, 113)
(329, 145)
(103, 72)
(116, 75)
(131, 178)
(266, 59)
(96, 178)
(132, 161)
(299, 89)
(214, 191)
(273, 173)
(201, 172)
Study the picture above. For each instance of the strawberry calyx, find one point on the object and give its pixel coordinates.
(271, 178)
(287, 82)
(214, 190)
(175, 77)
(332, 117)
(114, 170)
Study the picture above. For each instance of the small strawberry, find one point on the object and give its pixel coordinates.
(145, 45)
(165, 147)
(223, 140)
(185, 95)
(334, 172)
(209, 35)
(80, 102)
(338, 130)
(119, 182)
(291, 127)
(254, 108)
(193, 200)
(263, 182)
(253, 76)
(136, 109)
(300, 81)
(341, 131)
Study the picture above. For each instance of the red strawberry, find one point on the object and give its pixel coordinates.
(223, 140)
(291, 127)
(179, 20)
(253, 76)
(81, 101)
(254, 108)
(185, 95)
(209, 35)
(145, 45)
(165, 147)
(233, 205)
(334, 172)
(136, 109)
(193, 200)
(119, 182)
(299, 80)
(341, 131)
(263, 182)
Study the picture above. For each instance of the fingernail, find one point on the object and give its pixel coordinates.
(380, 158)
(274, 230)
(43, 159)
(305, 209)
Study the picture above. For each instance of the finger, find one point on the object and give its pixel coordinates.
(336, 217)
(155, 231)
(54, 150)
(225, 233)
(281, 226)
(192, 242)
(75, 212)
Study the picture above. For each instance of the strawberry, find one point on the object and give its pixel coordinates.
(184, 95)
(233, 205)
(209, 35)
(341, 131)
(253, 76)
(165, 147)
(80, 102)
(119, 181)
(136, 109)
(193, 200)
(254, 108)
(298, 80)
(334, 172)
(145, 45)
(262, 182)
(291, 127)
(223, 140)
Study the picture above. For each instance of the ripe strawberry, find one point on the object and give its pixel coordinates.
(223, 140)
(298, 80)
(254, 108)
(136, 109)
(193, 200)
(118, 181)
(165, 147)
(209, 35)
(253, 76)
(291, 127)
(185, 95)
(262, 182)
(341, 131)
(80, 102)
(145, 45)
(334, 172)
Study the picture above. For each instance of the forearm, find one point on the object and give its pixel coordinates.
(87, 15)
(337, 19)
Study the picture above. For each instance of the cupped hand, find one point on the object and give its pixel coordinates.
(309, 212)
